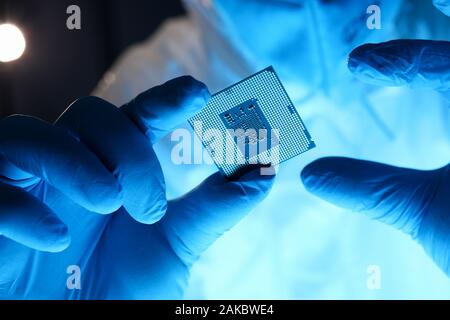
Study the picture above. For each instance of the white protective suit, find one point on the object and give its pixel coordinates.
(295, 246)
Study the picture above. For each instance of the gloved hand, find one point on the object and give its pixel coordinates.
(92, 180)
(416, 202)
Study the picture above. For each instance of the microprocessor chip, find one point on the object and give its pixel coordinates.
(253, 122)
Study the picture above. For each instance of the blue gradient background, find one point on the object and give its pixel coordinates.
(295, 246)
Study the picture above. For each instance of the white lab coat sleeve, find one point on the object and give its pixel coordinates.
(171, 52)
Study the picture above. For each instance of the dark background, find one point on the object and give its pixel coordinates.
(60, 65)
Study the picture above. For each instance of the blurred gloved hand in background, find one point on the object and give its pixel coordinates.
(89, 191)
(416, 202)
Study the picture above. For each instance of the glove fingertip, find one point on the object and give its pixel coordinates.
(103, 197)
(357, 57)
(369, 64)
(59, 242)
(150, 215)
(49, 234)
(443, 6)
(310, 177)
(260, 176)
(193, 95)
(193, 85)
(54, 234)
(307, 177)
(259, 181)
(317, 175)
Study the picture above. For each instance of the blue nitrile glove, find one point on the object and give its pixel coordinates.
(89, 192)
(416, 202)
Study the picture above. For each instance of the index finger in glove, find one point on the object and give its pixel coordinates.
(160, 109)
(28, 221)
(124, 150)
(416, 63)
(28, 145)
(443, 5)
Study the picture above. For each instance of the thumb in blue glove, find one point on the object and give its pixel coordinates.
(416, 202)
(415, 63)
